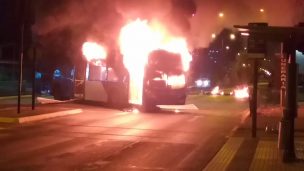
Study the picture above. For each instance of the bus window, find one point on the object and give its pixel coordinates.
(101, 73)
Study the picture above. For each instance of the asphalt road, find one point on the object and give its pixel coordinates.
(107, 139)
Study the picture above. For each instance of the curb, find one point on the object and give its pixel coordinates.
(13, 97)
(27, 119)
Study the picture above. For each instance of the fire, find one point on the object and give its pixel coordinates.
(241, 93)
(137, 40)
(215, 90)
(94, 52)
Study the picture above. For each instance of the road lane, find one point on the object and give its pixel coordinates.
(106, 139)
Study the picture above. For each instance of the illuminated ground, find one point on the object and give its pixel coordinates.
(106, 139)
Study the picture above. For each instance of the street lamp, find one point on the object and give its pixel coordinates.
(221, 15)
(232, 36)
(262, 10)
(213, 35)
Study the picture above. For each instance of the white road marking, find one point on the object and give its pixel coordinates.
(179, 107)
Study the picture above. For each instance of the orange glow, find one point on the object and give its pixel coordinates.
(241, 93)
(94, 52)
(135, 111)
(137, 40)
(215, 90)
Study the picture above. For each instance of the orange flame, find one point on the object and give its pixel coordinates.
(241, 93)
(137, 40)
(215, 90)
(94, 52)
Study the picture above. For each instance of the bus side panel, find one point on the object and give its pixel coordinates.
(95, 91)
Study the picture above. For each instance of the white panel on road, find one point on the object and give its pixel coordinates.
(178, 107)
(43, 100)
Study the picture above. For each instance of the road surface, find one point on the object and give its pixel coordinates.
(109, 139)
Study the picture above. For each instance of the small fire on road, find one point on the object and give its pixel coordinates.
(241, 93)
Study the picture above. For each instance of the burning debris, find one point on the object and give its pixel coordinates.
(215, 90)
(241, 93)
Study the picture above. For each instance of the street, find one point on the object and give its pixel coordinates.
(109, 139)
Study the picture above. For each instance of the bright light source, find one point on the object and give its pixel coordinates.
(241, 93)
(199, 83)
(206, 83)
(266, 71)
(261, 10)
(245, 34)
(239, 54)
(232, 36)
(202, 83)
(215, 90)
(213, 35)
(244, 65)
(137, 40)
(135, 110)
(94, 52)
(227, 47)
(221, 14)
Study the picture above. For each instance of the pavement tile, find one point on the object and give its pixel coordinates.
(268, 157)
(261, 153)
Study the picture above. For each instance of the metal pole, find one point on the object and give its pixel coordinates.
(254, 98)
(34, 79)
(290, 110)
(21, 66)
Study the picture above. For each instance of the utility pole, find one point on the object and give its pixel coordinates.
(254, 99)
(21, 49)
(290, 109)
(34, 78)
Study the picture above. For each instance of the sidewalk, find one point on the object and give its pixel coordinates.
(8, 110)
(241, 152)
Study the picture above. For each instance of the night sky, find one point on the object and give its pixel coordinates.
(95, 16)
(106, 16)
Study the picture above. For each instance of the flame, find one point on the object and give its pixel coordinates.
(241, 93)
(94, 52)
(137, 40)
(215, 90)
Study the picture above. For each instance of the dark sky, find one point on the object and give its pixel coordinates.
(102, 18)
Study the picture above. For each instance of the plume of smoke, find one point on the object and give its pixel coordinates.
(101, 20)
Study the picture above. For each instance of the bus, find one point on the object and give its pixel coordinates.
(164, 82)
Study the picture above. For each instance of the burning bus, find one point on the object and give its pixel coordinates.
(150, 71)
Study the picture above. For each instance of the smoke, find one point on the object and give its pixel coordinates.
(241, 12)
(101, 20)
(65, 25)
